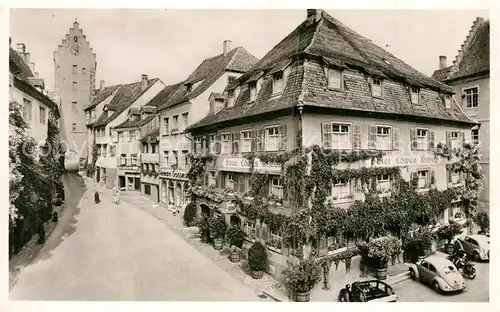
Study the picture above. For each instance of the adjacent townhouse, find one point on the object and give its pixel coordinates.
(325, 85)
(187, 104)
(469, 76)
(114, 103)
(28, 89)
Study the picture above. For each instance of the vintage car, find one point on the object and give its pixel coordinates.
(368, 291)
(478, 246)
(439, 272)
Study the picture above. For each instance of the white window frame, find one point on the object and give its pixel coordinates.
(112, 151)
(384, 183)
(43, 115)
(447, 100)
(455, 139)
(175, 120)
(246, 142)
(132, 135)
(277, 187)
(339, 193)
(383, 140)
(337, 76)
(475, 136)
(166, 125)
(166, 157)
(422, 140)
(230, 98)
(74, 86)
(456, 207)
(213, 144)
(414, 95)
(230, 181)
(252, 87)
(226, 141)
(377, 89)
(275, 236)
(73, 126)
(198, 143)
(272, 141)
(123, 159)
(469, 97)
(423, 182)
(278, 83)
(185, 120)
(338, 144)
(27, 110)
(456, 177)
(250, 229)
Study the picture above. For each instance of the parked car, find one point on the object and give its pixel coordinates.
(368, 291)
(478, 246)
(439, 272)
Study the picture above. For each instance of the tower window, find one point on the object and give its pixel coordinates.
(84, 71)
(75, 38)
(74, 85)
(74, 106)
(75, 69)
(74, 126)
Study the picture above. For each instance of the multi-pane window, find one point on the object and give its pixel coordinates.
(277, 187)
(384, 139)
(104, 150)
(253, 91)
(145, 148)
(275, 239)
(447, 101)
(334, 78)
(121, 137)
(423, 179)
(134, 160)
(175, 120)
(27, 109)
(336, 136)
(213, 146)
(278, 83)
(132, 136)
(377, 87)
(84, 71)
(74, 88)
(165, 123)
(230, 98)
(475, 136)
(43, 116)
(185, 120)
(123, 159)
(384, 183)
(112, 150)
(211, 178)
(341, 189)
(185, 158)
(273, 138)
(176, 158)
(414, 95)
(197, 144)
(230, 181)
(153, 148)
(455, 139)
(75, 69)
(92, 114)
(457, 210)
(456, 177)
(246, 141)
(471, 97)
(226, 143)
(422, 139)
(73, 126)
(250, 230)
(165, 157)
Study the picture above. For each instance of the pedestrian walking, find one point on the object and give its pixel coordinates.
(96, 197)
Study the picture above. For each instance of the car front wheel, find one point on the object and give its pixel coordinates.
(476, 256)
(343, 296)
(412, 274)
(435, 285)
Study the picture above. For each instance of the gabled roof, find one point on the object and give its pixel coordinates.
(237, 60)
(122, 100)
(101, 96)
(164, 95)
(475, 58)
(135, 123)
(331, 43)
(152, 135)
(18, 67)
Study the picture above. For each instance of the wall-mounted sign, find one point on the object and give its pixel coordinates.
(243, 163)
(178, 175)
(407, 160)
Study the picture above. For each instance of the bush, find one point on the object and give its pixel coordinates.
(418, 245)
(234, 236)
(217, 227)
(380, 250)
(203, 224)
(302, 277)
(482, 219)
(257, 257)
(449, 231)
(189, 214)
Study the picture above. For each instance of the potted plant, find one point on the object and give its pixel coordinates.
(448, 232)
(301, 278)
(380, 251)
(204, 227)
(217, 230)
(482, 219)
(229, 191)
(189, 214)
(257, 259)
(248, 196)
(234, 236)
(416, 246)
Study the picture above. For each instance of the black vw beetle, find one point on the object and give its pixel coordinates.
(368, 291)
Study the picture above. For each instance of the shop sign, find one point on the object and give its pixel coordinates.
(243, 163)
(407, 160)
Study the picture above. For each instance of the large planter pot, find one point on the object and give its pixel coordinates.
(381, 272)
(448, 248)
(218, 242)
(302, 296)
(257, 274)
(235, 256)
(204, 238)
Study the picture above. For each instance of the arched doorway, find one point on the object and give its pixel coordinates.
(164, 192)
(205, 210)
(171, 196)
(178, 195)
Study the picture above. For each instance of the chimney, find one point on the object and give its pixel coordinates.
(442, 62)
(144, 82)
(32, 66)
(27, 58)
(313, 16)
(101, 87)
(21, 49)
(226, 47)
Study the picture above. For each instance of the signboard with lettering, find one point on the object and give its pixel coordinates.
(243, 163)
(407, 161)
(178, 175)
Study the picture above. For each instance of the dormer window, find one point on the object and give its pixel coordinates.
(230, 98)
(334, 78)
(253, 91)
(447, 101)
(278, 83)
(189, 87)
(415, 92)
(377, 87)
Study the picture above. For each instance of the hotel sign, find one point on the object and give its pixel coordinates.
(243, 163)
(178, 175)
(407, 160)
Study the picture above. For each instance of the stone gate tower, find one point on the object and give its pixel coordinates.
(75, 68)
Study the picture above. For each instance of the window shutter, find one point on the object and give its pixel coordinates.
(413, 139)
(356, 139)
(217, 144)
(373, 183)
(431, 140)
(372, 137)
(241, 184)
(433, 178)
(462, 135)
(449, 174)
(260, 140)
(264, 231)
(326, 134)
(265, 188)
(395, 138)
(235, 142)
(253, 141)
(218, 178)
(413, 176)
(448, 139)
(193, 145)
(282, 133)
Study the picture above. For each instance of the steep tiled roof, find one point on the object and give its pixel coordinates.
(208, 72)
(163, 96)
(135, 123)
(122, 100)
(329, 41)
(101, 96)
(151, 135)
(18, 66)
(475, 59)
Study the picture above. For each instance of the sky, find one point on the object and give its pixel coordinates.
(170, 44)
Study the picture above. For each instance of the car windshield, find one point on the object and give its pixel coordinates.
(449, 269)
